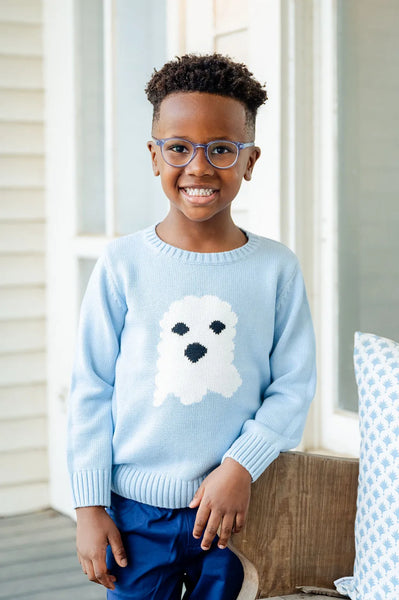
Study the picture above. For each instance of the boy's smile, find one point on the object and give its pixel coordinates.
(200, 192)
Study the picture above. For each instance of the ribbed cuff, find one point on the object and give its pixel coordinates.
(252, 452)
(91, 488)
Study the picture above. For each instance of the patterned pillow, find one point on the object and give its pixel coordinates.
(376, 569)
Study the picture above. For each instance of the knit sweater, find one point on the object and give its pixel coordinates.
(184, 359)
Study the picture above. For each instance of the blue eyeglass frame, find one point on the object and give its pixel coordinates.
(239, 145)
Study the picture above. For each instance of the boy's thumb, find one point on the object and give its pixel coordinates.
(118, 549)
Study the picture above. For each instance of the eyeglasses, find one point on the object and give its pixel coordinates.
(221, 154)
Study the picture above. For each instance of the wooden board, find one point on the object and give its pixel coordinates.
(300, 527)
(38, 560)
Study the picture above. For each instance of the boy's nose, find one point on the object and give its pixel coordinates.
(200, 164)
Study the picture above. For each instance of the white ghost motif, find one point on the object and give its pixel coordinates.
(196, 350)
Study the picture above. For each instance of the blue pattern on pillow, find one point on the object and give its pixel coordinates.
(376, 569)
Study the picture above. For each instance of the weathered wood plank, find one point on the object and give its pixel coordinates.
(48, 581)
(42, 536)
(34, 568)
(38, 560)
(44, 519)
(300, 527)
(84, 592)
(12, 555)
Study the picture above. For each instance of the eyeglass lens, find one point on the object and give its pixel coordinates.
(179, 152)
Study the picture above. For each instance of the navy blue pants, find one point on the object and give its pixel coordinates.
(162, 555)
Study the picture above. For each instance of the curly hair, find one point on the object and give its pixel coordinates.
(209, 73)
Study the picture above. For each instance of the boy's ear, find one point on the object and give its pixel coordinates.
(253, 157)
(152, 147)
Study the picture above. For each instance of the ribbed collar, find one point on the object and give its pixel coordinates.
(206, 258)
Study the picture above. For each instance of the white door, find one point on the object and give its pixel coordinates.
(357, 246)
(100, 54)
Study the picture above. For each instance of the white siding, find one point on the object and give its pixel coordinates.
(23, 422)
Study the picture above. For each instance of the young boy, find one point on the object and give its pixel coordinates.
(195, 359)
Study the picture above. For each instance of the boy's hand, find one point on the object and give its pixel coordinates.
(223, 500)
(95, 530)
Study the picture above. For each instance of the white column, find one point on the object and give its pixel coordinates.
(61, 198)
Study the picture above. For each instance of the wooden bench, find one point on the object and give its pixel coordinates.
(300, 527)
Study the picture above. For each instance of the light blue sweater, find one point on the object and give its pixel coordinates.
(183, 359)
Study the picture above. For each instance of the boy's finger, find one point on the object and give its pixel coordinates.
(81, 561)
(211, 530)
(102, 575)
(196, 501)
(89, 570)
(201, 520)
(85, 568)
(226, 530)
(118, 549)
(239, 522)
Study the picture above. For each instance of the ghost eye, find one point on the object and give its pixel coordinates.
(217, 326)
(180, 328)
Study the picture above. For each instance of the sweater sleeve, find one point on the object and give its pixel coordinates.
(279, 422)
(90, 424)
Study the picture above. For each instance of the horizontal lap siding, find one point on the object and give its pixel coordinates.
(23, 423)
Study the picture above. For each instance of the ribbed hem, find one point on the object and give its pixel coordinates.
(198, 258)
(91, 488)
(155, 489)
(252, 452)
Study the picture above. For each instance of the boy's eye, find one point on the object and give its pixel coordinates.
(220, 149)
(177, 147)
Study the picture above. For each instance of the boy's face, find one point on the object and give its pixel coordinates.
(200, 118)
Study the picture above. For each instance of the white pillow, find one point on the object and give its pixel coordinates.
(376, 569)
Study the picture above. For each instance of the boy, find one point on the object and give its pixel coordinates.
(195, 359)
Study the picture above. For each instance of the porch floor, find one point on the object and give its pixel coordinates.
(38, 560)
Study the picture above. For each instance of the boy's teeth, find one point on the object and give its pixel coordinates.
(198, 191)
